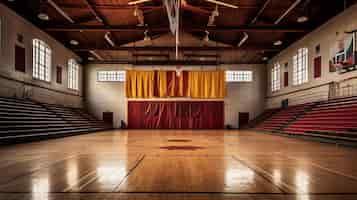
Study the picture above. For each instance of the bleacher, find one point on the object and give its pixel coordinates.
(333, 119)
(282, 118)
(23, 120)
(262, 117)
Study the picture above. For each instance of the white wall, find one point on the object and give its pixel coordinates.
(326, 37)
(110, 96)
(11, 25)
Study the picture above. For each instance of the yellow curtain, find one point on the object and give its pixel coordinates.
(206, 84)
(162, 83)
(200, 84)
(139, 84)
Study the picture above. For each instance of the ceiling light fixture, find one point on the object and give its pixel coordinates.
(244, 39)
(278, 43)
(43, 16)
(302, 19)
(74, 42)
(212, 18)
(222, 3)
(90, 58)
(265, 58)
(139, 14)
(96, 55)
(137, 2)
(108, 39)
(146, 36)
(206, 38)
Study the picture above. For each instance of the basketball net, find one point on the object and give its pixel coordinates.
(173, 13)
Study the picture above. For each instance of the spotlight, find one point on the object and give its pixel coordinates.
(302, 19)
(278, 43)
(74, 42)
(43, 16)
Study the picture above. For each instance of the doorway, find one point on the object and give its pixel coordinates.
(243, 119)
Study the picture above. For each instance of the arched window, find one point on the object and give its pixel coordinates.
(73, 74)
(41, 57)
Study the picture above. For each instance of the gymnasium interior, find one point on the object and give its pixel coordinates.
(178, 99)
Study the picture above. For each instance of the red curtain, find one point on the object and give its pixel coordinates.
(176, 115)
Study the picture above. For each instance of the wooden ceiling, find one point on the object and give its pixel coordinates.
(88, 21)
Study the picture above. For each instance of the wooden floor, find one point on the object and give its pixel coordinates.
(177, 165)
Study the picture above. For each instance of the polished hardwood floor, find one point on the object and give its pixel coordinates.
(177, 164)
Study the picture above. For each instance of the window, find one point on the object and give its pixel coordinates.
(73, 74)
(41, 60)
(300, 67)
(115, 76)
(59, 75)
(239, 76)
(275, 77)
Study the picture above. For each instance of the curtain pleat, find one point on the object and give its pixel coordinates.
(176, 114)
(194, 84)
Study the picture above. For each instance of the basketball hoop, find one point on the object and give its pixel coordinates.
(173, 13)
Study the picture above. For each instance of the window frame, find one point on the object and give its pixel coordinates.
(116, 76)
(301, 66)
(276, 77)
(239, 76)
(41, 60)
(72, 74)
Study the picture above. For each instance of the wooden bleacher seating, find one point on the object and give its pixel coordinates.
(22, 120)
(333, 119)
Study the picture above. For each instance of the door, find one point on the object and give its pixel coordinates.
(108, 118)
(243, 119)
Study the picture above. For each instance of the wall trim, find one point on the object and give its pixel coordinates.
(299, 90)
(38, 86)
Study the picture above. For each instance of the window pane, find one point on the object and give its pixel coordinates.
(275, 77)
(111, 76)
(300, 67)
(239, 76)
(41, 60)
(73, 74)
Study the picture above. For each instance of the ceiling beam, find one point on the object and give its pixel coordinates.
(60, 11)
(116, 7)
(292, 7)
(261, 10)
(169, 62)
(95, 12)
(187, 48)
(246, 28)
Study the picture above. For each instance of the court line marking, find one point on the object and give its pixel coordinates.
(138, 162)
(81, 184)
(88, 174)
(332, 171)
(281, 185)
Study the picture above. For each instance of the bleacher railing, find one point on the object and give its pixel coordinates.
(344, 88)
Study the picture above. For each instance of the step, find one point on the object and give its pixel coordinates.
(43, 130)
(52, 133)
